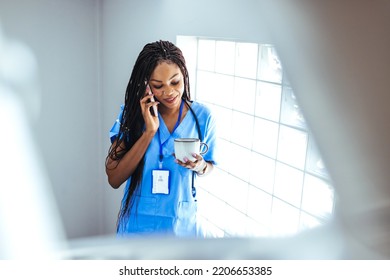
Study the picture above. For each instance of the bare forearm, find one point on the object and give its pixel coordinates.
(119, 171)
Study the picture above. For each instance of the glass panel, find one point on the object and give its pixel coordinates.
(270, 68)
(206, 198)
(308, 222)
(224, 57)
(288, 184)
(189, 47)
(216, 214)
(205, 87)
(223, 90)
(244, 95)
(314, 163)
(257, 192)
(236, 193)
(291, 113)
(239, 159)
(224, 121)
(285, 218)
(236, 225)
(246, 60)
(265, 137)
(255, 229)
(262, 172)
(225, 158)
(317, 197)
(259, 205)
(208, 229)
(268, 101)
(206, 55)
(242, 129)
(214, 185)
(292, 146)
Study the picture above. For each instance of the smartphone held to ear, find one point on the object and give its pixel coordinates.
(153, 109)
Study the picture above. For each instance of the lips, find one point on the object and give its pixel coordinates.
(170, 100)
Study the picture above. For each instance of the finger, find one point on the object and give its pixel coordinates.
(146, 98)
(148, 106)
(146, 102)
(185, 163)
(148, 91)
(197, 157)
(179, 162)
(189, 163)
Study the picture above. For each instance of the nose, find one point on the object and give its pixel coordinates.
(168, 91)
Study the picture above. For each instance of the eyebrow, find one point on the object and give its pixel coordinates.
(169, 78)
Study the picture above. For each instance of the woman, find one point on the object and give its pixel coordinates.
(142, 144)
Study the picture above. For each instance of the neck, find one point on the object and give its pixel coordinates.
(172, 117)
(164, 111)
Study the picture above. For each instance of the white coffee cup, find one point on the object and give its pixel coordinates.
(185, 147)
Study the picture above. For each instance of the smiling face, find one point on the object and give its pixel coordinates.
(167, 84)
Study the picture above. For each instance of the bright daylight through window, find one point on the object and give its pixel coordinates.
(270, 179)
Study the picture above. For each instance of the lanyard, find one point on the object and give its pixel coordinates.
(161, 156)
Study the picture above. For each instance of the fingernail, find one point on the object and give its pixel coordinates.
(185, 159)
(194, 155)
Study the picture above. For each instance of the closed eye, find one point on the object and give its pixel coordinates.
(174, 83)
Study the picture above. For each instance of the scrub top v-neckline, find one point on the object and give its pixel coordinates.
(164, 132)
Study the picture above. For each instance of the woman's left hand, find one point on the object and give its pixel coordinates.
(198, 165)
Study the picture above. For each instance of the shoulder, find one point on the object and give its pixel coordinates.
(204, 113)
(200, 108)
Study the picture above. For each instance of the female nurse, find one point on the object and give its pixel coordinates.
(160, 191)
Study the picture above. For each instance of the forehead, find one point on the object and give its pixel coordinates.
(165, 69)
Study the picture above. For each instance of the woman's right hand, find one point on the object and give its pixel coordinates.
(151, 122)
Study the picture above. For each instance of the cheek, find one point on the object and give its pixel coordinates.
(180, 87)
(157, 91)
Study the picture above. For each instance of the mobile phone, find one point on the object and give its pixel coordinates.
(153, 111)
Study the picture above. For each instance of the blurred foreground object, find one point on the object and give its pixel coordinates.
(30, 227)
(336, 54)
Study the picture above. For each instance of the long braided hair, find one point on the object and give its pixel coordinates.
(132, 122)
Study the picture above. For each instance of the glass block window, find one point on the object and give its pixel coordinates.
(270, 180)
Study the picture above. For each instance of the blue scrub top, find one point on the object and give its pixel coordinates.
(173, 213)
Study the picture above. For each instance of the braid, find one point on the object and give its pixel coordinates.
(132, 122)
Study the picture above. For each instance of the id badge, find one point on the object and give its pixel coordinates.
(160, 181)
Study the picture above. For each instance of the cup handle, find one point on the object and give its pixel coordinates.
(203, 148)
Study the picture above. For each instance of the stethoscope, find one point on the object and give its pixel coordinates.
(193, 189)
(196, 120)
